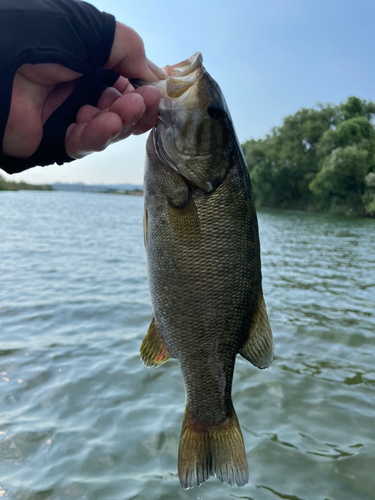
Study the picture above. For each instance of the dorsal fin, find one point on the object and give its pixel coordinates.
(259, 347)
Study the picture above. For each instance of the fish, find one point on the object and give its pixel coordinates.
(204, 267)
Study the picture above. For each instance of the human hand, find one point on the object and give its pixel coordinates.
(39, 89)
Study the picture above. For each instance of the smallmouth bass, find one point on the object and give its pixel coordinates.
(204, 268)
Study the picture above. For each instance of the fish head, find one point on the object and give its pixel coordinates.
(194, 134)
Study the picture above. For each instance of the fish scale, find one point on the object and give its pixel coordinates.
(204, 270)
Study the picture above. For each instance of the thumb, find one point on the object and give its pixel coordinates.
(128, 56)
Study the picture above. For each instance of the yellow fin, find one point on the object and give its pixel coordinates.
(154, 352)
(184, 219)
(212, 450)
(259, 347)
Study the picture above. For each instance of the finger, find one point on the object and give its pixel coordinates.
(85, 138)
(110, 94)
(87, 113)
(144, 121)
(108, 97)
(128, 56)
(123, 85)
(150, 116)
(130, 107)
(104, 126)
(150, 105)
(156, 70)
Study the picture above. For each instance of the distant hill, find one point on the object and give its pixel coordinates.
(100, 188)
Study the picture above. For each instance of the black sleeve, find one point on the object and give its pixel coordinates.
(72, 33)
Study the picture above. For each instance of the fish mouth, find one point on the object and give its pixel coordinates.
(179, 99)
(185, 67)
(179, 78)
(178, 89)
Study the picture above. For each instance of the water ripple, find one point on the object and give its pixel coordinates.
(82, 418)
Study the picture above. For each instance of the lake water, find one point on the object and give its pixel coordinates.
(82, 418)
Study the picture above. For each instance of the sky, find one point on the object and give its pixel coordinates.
(270, 58)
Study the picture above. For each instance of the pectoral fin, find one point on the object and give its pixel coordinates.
(154, 352)
(184, 219)
(258, 348)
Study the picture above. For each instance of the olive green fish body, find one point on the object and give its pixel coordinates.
(204, 282)
(204, 275)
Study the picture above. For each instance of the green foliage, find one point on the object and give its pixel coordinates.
(368, 198)
(339, 184)
(7, 186)
(356, 107)
(16, 186)
(356, 131)
(317, 160)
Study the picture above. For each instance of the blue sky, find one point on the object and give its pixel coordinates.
(270, 58)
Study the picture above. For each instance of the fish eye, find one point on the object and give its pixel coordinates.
(215, 110)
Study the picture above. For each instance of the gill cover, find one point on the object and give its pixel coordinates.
(194, 134)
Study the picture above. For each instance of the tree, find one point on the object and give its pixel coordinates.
(346, 156)
(339, 184)
(283, 164)
(317, 159)
(369, 196)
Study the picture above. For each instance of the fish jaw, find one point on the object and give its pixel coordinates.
(185, 67)
(194, 134)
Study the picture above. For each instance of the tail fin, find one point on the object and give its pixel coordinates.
(208, 451)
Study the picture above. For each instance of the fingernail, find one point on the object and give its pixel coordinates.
(114, 136)
(151, 113)
(137, 118)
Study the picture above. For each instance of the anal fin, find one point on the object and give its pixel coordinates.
(259, 346)
(154, 351)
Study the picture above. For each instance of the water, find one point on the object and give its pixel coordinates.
(81, 418)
